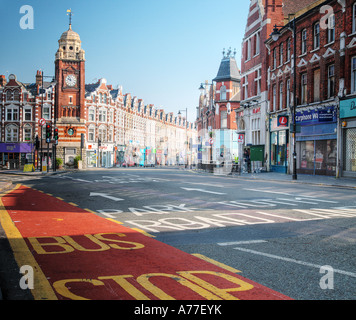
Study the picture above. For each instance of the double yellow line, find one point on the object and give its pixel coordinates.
(42, 289)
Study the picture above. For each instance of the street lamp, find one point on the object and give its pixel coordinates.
(53, 146)
(186, 134)
(202, 90)
(275, 36)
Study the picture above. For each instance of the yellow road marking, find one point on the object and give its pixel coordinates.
(42, 289)
(217, 263)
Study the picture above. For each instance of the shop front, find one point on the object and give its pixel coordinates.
(348, 134)
(279, 143)
(16, 155)
(317, 140)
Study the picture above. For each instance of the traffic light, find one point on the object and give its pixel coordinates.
(55, 135)
(48, 131)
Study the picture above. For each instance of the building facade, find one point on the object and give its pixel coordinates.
(325, 58)
(216, 117)
(97, 123)
(252, 117)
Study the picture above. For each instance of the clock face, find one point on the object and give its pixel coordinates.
(70, 131)
(71, 80)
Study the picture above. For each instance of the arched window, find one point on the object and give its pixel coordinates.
(27, 133)
(11, 133)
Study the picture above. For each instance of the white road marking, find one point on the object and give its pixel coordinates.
(240, 242)
(202, 190)
(308, 264)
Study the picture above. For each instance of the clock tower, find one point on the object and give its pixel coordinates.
(70, 96)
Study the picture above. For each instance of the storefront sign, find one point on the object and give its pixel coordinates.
(241, 138)
(348, 108)
(316, 116)
(16, 147)
(282, 121)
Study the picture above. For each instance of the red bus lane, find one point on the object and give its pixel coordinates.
(79, 255)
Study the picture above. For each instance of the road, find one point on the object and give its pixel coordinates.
(295, 239)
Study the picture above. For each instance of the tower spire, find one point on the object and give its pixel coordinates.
(69, 13)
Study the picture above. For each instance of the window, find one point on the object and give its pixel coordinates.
(17, 95)
(91, 116)
(288, 49)
(12, 113)
(288, 94)
(316, 85)
(304, 41)
(274, 100)
(245, 88)
(111, 116)
(354, 18)
(257, 43)
(46, 112)
(281, 96)
(27, 114)
(316, 36)
(105, 98)
(303, 93)
(27, 133)
(9, 95)
(331, 28)
(222, 93)
(111, 135)
(258, 82)
(248, 49)
(331, 81)
(281, 54)
(353, 75)
(102, 133)
(11, 133)
(100, 98)
(274, 63)
(223, 115)
(102, 115)
(91, 133)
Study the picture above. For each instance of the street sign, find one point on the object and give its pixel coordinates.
(211, 141)
(42, 122)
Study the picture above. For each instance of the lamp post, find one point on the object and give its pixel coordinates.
(275, 36)
(202, 90)
(186, 135)
(54, 146)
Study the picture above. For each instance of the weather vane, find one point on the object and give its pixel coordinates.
(69, 13)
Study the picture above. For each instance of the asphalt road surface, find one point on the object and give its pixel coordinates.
(296, 239)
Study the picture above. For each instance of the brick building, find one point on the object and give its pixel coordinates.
(251, 116)
(102, 125)
(216, 117)
(324, 61)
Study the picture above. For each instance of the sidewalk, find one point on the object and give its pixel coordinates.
(301, 178)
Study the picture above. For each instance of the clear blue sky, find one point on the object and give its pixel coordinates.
(158, 50)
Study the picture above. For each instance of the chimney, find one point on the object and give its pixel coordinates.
(2, 81)
(39, 78)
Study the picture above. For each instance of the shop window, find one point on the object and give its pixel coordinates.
(279, 145)
(350, 150)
